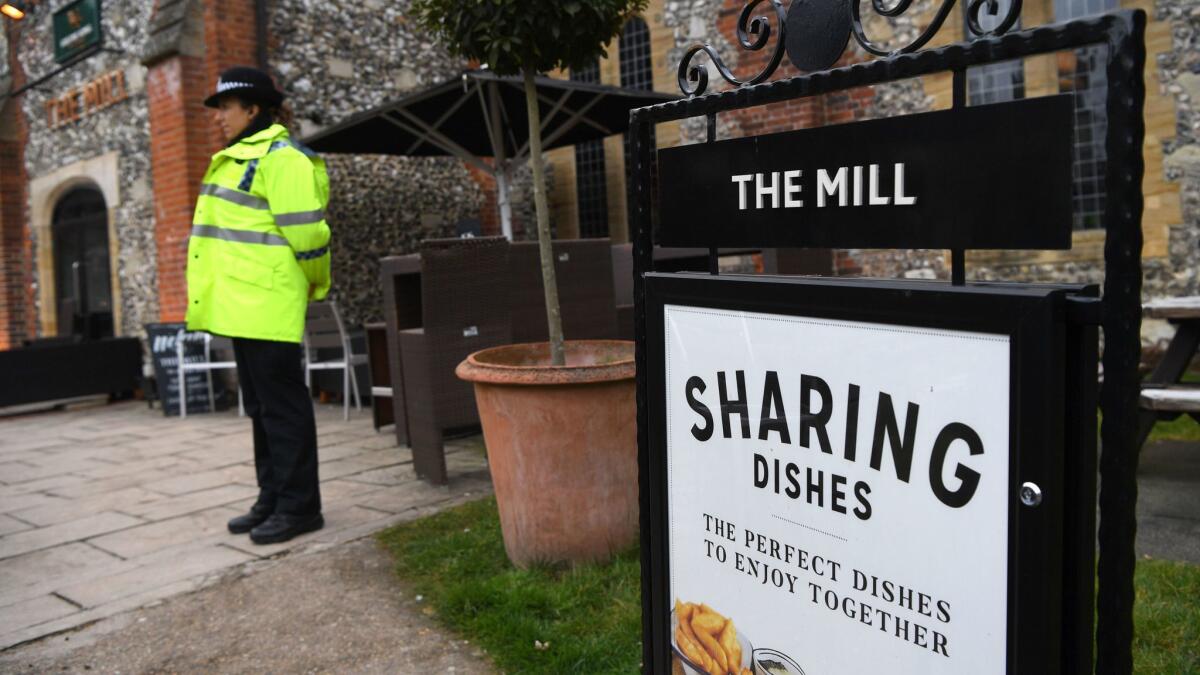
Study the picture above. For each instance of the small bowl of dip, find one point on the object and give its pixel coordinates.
(771, 662)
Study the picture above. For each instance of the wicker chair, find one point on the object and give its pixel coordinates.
(463, 305)
(665, 260)
(400, 277)
(584, 272)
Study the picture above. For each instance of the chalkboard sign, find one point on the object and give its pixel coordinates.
(162, 338)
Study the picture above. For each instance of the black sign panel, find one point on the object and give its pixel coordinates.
(987, 177)
(162, 338)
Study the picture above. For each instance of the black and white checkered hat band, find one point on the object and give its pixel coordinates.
(223, 87)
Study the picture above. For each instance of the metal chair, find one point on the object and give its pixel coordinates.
(323, 329)
(206, 366)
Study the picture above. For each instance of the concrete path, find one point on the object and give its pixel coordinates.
(335, 610)
(107, 508)
(1169, 501)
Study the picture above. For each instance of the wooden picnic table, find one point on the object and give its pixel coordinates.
(1164, 396)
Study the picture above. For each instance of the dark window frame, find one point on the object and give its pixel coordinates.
(637, 72)
(591, 180)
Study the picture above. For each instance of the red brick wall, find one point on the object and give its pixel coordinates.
(179, 151)
(17, 308)
(836, 108)
(489, 214)
(786, 115)
(229, 40)
(184, 137)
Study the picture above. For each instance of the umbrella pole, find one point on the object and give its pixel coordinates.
(504, 199)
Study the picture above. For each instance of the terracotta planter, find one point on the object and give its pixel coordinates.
(562, 447)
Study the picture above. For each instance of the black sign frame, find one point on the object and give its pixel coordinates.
(1118, 313)
(1018, 206)
(1034, 318)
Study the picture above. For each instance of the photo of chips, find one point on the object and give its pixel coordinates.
(708, 642)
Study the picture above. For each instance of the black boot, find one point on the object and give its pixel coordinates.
(282, 527)
(257, 516)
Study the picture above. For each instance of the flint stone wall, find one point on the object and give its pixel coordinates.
(123, 127)
(338, 59)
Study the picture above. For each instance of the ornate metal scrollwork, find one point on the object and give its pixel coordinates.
(814, 33)
(753, 35)
(993, 8)
(860, 35)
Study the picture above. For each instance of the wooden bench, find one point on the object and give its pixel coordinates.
(1163, 396)
(1180, 399)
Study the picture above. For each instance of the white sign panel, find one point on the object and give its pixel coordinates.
(837, 494)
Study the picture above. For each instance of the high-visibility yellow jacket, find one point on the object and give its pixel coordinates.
(259, 239)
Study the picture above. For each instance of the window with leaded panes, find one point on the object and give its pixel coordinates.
(637, 72)
(994, 82)
(1088, 82)
(591, 189)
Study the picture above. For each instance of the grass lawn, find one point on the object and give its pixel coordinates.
(1182, 428)
(1166, 618)
(588, 620)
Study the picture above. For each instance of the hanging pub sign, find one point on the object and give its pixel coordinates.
(858, 478)
(987, 177)
(77, 29)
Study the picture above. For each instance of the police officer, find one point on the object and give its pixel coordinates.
(259, 251)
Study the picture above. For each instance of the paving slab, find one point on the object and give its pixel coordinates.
(340, 490)
(140, 514)
(233, 495)
(382, 457)
(51, 484)
(85, 487)
(28, 500)
(64, 533)
(34, 611)
(345, 467)
(181, 484)
(332, 453)
(15, 473)
(62, 510)
(43, 572)
(227, 454)
(86, 617)
(386, 476)
(140, 578)
(124, 464)
(9, 525)
(143, 539)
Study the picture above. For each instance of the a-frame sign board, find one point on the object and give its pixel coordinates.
(848, 475)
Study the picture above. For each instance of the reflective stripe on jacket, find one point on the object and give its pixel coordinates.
(259, 239)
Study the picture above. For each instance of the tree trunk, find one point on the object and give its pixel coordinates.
(549, 282)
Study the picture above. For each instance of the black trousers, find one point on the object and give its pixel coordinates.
(285, 430)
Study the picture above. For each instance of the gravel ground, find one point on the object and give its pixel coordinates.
(338, 610)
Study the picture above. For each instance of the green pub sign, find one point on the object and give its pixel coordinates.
(76, 29)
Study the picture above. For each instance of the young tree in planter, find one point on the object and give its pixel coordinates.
(519, 36)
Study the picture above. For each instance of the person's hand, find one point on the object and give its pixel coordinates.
(312, 291)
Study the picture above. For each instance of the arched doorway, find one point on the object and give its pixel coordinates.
(83, 282)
